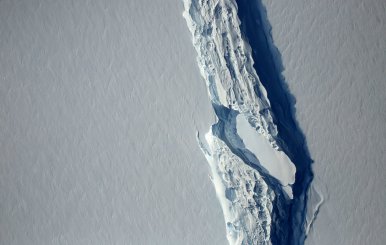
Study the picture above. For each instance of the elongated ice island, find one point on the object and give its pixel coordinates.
(252, 174)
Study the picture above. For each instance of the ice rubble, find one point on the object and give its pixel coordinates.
(245, 198)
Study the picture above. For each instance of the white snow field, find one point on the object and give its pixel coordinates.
(334, 54)
(99, 104)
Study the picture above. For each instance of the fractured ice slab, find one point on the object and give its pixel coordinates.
(226, 64)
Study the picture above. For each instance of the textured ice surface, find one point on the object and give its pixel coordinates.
(99, 103)
(244, 196)
(334, 54)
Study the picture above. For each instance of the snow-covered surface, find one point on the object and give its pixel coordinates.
(334, 54)
(275, 162)
(99, 103)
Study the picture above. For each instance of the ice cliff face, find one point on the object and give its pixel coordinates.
(252, 176)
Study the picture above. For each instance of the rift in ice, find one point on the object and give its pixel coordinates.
(260, 166)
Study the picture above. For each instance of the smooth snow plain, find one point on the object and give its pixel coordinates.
(334, 55)
(100, 102)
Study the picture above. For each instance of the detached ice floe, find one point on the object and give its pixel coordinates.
(241, 181)
(275, 162)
